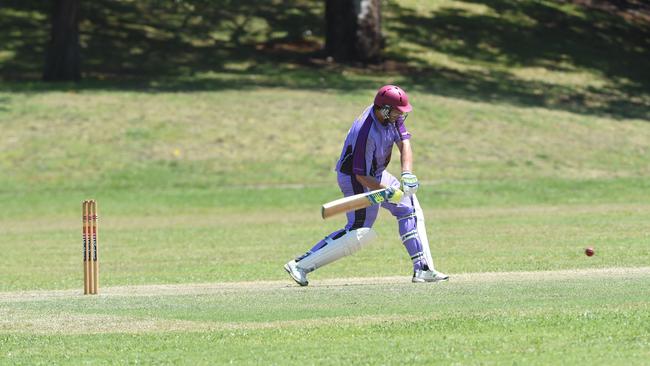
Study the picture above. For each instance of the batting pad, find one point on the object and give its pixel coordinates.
(422, 232)
(335, 249)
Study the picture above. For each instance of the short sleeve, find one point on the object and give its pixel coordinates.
(402, 133)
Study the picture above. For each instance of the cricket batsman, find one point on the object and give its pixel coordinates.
(362, 167)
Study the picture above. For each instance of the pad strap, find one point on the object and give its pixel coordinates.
(409, 235)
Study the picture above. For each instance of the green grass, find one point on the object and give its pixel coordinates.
(62, 140)
(574, 56)
(568, 321)
(226, 186)
(201, 235)
(531, 132)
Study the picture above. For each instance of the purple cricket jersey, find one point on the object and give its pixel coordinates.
(369, 144)
(367, 151)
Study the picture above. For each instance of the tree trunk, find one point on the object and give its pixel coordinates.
(353, 30)
(62, 59)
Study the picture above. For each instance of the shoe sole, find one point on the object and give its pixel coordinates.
(286, 268)
(433, 281)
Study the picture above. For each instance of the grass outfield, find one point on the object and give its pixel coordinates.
(560, 317)
(85, 138)
(180, 236)
(531, 133)
(199, 244)
(182, 201)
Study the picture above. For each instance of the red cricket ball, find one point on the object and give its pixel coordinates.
(589, 251)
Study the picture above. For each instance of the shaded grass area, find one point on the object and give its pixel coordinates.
(519, 49)
(574, 321)
(570, 55)
(148, 38)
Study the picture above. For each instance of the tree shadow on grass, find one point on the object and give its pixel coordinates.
(505, 35)
(24, 30)
(242, 45)
(149, 39)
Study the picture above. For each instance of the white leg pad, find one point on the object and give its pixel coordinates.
(422, 232)
(347, 244)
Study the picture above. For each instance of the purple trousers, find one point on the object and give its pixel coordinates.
(404, 212)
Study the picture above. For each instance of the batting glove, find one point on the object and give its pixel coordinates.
(410, 183)
(394, 195)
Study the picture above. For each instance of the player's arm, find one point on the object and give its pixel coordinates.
(409, 181)
(406, 155)
(390, 194)
(368, 181)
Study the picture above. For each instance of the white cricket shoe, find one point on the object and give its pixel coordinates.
(298, 274)
(428, 276)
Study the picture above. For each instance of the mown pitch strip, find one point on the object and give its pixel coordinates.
(251, 286)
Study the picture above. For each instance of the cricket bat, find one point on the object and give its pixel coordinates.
(351, 203)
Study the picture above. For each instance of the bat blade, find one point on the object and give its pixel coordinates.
(352, 203)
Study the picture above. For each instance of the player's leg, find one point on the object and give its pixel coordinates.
(338, 247)
(422, 231)
(430, 275)
(405, 214)
(339, 243)
(356, 219)
(410, 221)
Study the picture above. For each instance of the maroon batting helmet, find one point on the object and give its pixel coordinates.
(393, 96)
